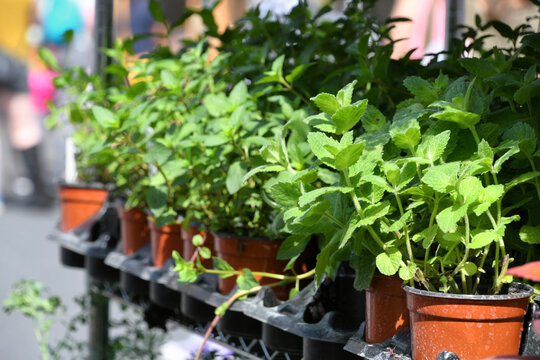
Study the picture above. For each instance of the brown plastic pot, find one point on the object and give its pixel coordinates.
(164, 240)
(471, 326)
(134, 229)
(78, 204)
(189, 249)
(386, 308)
(254, 254)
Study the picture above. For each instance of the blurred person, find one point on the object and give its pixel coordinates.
(25, 131)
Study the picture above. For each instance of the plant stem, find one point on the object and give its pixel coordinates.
(407, 240)
(288, 86)
(466, 255)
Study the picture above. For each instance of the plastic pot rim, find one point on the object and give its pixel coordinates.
(522, 291)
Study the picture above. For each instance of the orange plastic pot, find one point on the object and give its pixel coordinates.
(386, 308)
(471, 326)
(134, 229)
(254, 254)
(78, 204)
(164, 240)
(189, 249)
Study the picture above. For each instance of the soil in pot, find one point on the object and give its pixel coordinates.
(471, 326)
(78, 204)
(134, 229)
(189, 249)
(164, 240)
(386, 308)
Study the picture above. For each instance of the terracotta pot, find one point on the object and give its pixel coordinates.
(189, 249)
(471, 326)
(133, 229)
(254, 254)
(164, 240)
(386, 308)
(78, 204)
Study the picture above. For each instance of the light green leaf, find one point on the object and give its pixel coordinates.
(168, 79)
(205, 252)
(348, 156)
(391, 171)
(470, 268)
(433, 147)
(470, 189)
(347, 234)
(489, 195)
(157, 154)
(521, 179)
(482, 239)
(504, 157)
(407, 272)
(378, 181)
(374, 212)
(317, 141)
(286, 194)
(297, 72)
(463, 119)
(347, 116)
(344, 96)
(262, 168)
(406, 133)
(327, 103)
(220, 264)
(530, 234)
(235, 176)
(197, 240)
(442, 178)
(388, 262)
(105, 117)
(48, 58)
(246, 281)
(311, 196)
(448, 218)
(312, 215)
(396, 225)
(239, 94)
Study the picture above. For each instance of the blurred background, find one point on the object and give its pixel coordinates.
(32, 158)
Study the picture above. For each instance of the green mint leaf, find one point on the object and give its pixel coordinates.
(286, 194)
(157, 154)
(433, 147)
(156, 11)
(497, 166)
(463, 119)
(220, 264)
(373, 120)
(318, 142)
(398, 224)
(327, 103)
(442, 178)
(483, 239)
(156, 198)
(489, 195)
(344, 96)
(197, 240)
(470, 189)
(312, 215)
(168, 79)
(528, 91)
(235, 175)
(421, 88)
(530, 234)
(312, 195)
(246, 281)
(449, 217)
(389, 262)
(105, 117)
(521, 179)
(378, 181)
(348, 116)
(297, 72)
(261, 169)
(407, 272)
(524, 134)
(364, 266)
(349, 155)
(391, 171)
(374, 212)
(351, 227)
(470, 268)
(406, 133)
(239, 94)
(482, 68)
(292, 246)
(48, 58)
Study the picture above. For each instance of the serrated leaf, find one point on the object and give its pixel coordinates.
(235, 175)
(314, 213)
(407, 272)
(286, 194)
(470, 189)
(246, 281)
(311, 196)
(489, 195)
(317, 141)
(391, 171)
(521, 179)
(344, 96)
(327, 103)
(530, 234)
(497, 166)
(442, 178)
(364, 266)
(292, 246)
(463, 119)
(105, 117)
(524, 135)
(168, 79)
(373, 119)
(157, 154)
(348, 156)
(406, 133)
(389, 262)
(448, 218)
(349, 230)
(262, 168)
(396, 225)
(482, 68)
(482, 239)
(348, 116)
(374, 212)
(378, 181)
(528, 91)
(433, 147)
(421, 88)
